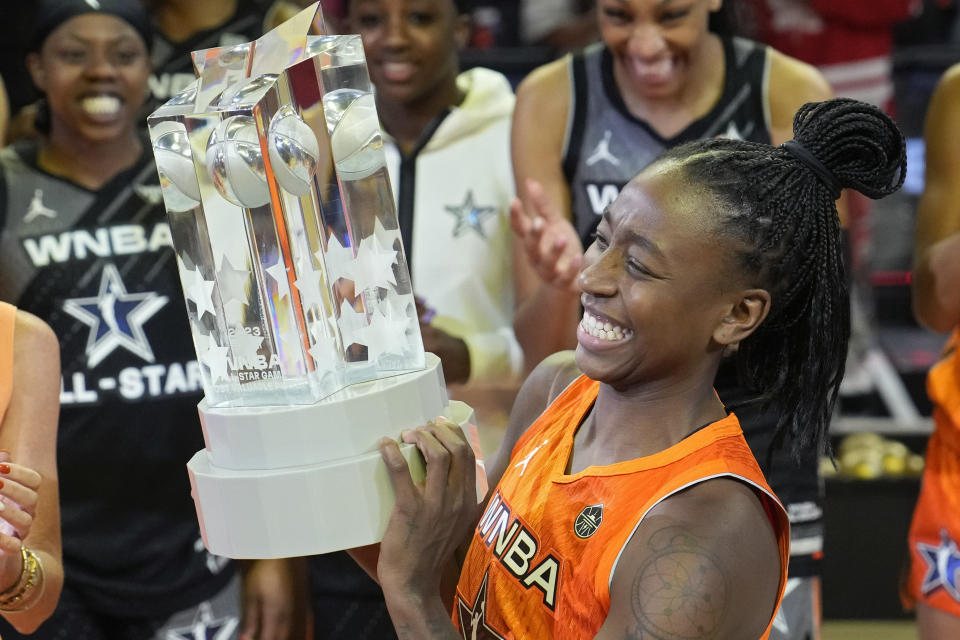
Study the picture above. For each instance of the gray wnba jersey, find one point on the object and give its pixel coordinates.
(607, 146)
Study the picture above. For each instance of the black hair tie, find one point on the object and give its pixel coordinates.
(804, 155)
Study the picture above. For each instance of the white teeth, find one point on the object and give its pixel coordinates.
(101, 105)
(604, 330)
(658, 68)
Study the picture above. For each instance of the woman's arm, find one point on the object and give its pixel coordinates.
(703, 564)
(791, 84)
(936, 267)
(29, 434)
(547, 251)
(417, 563)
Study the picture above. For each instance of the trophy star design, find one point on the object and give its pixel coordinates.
(198, 289)
(279, 274)
(340, 260)
(274, 178)
(233, 282)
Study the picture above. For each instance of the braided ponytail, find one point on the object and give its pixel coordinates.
(777, 205)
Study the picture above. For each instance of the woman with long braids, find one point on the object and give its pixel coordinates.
(627, 503)
(665, 73)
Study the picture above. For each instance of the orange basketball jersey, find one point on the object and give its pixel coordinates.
(943, 388)
(543, 555)
(934, 536)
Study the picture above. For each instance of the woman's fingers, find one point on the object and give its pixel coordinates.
(462, 475)
(9, 545)
(20, 474)
(539, 200)
(437, 458)
(403, 487)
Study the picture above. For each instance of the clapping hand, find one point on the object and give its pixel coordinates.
(549, 239)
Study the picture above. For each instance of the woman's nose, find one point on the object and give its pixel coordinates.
(598, 274)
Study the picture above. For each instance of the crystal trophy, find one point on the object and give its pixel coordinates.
(298, 294)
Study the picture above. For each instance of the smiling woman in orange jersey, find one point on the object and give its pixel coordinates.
(627, 503)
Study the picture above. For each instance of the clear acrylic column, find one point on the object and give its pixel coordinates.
(297, 289)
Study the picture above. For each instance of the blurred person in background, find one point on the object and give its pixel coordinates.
(932, 586)
(183, 26)
(666, 72)
(86, 247)
(849, 41)
(561, 25)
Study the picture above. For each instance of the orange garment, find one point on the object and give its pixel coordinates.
(935, 529)
(543, 555)
(8, 315)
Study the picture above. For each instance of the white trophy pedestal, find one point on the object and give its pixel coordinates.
(277, 482)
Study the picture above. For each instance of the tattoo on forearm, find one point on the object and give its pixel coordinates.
(680, 592)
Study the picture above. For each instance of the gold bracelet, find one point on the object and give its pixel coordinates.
(29, 587)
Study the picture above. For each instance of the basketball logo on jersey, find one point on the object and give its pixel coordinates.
(943, 566)
(588, 521)
(473, 619)
(205, 626)
(602, 151)
(115, 318)
(37, 209)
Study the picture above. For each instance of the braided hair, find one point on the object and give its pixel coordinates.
(779, 209)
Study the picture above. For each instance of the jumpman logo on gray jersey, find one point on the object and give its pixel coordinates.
(37, 208)
(602, 152)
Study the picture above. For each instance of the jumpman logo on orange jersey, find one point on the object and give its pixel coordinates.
(523, 463)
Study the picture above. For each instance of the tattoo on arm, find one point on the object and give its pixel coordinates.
(680, 590)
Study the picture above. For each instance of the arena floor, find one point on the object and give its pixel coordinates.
(869, 630)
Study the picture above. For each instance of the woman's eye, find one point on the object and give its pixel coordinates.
(420, 18)
(125, 58)
(72, 56)
(673, 16)
(617, 15)
(637, 268)
(368, 21)
(599, 240)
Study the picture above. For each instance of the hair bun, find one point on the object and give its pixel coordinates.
(859, 143)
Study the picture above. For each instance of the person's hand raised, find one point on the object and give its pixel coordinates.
(549, 239)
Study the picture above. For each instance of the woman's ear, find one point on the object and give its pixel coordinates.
(37, 73)
(743, 317)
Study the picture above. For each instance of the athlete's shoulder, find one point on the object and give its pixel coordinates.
(545, 80)
(544, 384)
(791, 84)
(710, 547)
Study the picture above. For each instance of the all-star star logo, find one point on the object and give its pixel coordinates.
(469, 216)
(205, 626)
(115, 318)
(473, 620)
(943, 566)
(588, 521)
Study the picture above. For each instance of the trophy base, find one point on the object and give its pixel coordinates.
(304, 510)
